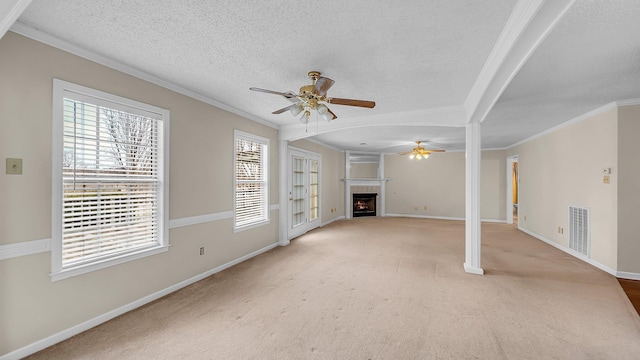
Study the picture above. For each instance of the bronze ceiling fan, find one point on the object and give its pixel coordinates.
(314, 97)
(419, 152)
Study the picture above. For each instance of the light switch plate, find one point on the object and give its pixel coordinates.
(14, 166)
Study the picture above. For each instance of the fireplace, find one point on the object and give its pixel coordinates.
(364, 204)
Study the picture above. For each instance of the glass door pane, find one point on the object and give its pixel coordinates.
(297, 213)
(314, 205)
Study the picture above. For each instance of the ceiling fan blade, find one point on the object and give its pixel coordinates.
(331, 112)
(293, 97)
(322, 85)
(288, 95)
(432, 151)
(284, 109)
(352, 102)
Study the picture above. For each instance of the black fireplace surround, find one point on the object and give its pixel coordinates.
(364, 204)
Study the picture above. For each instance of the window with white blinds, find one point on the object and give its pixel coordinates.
(109, 172)
(251, 201)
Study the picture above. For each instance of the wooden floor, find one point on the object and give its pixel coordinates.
(632, 289)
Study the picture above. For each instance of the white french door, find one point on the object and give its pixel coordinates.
(304, 192)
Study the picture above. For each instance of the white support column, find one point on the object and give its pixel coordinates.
(283, 167)
(383, 185)
(347, 199)
(472, 219)
(381, 211)
(347, 185)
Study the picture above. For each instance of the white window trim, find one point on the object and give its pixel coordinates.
(244, 135)
(61, 87)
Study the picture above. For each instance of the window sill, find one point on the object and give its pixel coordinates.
(251, 226)
(83, 269)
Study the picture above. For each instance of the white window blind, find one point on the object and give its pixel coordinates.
(251, 180)
(112, 180)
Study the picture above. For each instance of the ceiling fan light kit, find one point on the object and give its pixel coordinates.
(419, 152)
(297, 109)
(418, 156)
(314, 98)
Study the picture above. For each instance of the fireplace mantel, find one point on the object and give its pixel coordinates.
(365, 181)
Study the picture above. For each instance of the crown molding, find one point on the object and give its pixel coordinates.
(629, 102)
(48, 39)
(577, 119)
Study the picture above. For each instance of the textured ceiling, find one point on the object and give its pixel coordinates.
(415, 59)
(592, 58)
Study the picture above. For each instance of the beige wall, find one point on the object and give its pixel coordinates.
(31, 306)
(564, 168)
(493, 185)
(363, 170)
(628, 176)
(439, 184)
(332, 173)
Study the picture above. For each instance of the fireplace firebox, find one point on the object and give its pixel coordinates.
(364, 204)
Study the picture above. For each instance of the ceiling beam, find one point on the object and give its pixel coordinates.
(10, 11)
(529, 24)
(453, 116)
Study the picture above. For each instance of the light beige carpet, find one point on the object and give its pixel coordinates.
(382, 288)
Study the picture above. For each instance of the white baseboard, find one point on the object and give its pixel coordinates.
(618, 274)
(570, 252)
(473, 270)
(441, 217)
(288, 241)
(500, 221)
(77, 329)
(332, 220)
(628, 275)
(424, 216)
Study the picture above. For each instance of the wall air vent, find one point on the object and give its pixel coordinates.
(580, 230)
